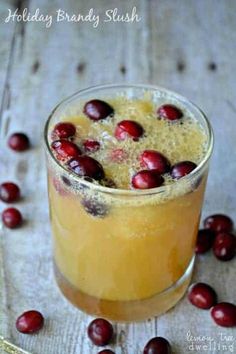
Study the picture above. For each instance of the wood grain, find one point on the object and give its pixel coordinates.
(187, 46)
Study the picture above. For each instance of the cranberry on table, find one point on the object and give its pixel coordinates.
(128, 129)
(205, 239)
(64, 130)
(9, 192)
(202, 295)
(224, 314)
(98, 109)
(154, 160)
(18, 142)
(65, 149)
(182, 169)
(157, 345)
(30, 322)
(219, 223)
(11, 218)
(224, 246)
(146, 179)
(100, 331)
(106, 351)
(91, 145)
(169, 112)
(87, 166)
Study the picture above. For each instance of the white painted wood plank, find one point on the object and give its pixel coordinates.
(6, 40)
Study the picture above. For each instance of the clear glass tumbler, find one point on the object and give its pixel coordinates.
(134, 259)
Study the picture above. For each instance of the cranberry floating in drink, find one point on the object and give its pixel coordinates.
(86, 166)
(128, 129)
(97, 109)
(224, 314)
(202, 295)
(219, 223)
(154, 160)
(106, 351)
(91, 145)
(9, 192)
(122, 210)
(146, 179)
(18, 142)
(100, 331)
(169, 112)
(30, 322)
(65, 149)
(182, 169)
(64, 130)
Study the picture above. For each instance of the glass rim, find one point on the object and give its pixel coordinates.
(131, 192)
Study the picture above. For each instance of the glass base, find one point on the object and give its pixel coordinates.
(126, 311)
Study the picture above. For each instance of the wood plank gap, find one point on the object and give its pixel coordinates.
(5, 101)
(150, 41)
(4, 320)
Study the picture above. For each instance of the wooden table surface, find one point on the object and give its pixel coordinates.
(185, 45)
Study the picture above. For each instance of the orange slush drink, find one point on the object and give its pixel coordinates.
(127, 168)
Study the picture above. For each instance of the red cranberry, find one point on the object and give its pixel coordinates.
(65, 149)
(106, 351)
(128, 129)
(11, 218)
(224, 246)
(170, 112)
(18, 142)
(182, 169)
(87, 166)
(97, 109)
(146, 179)
(64, 130)
(100, 332)
(91, 145)
(154, 160)
(118, 155)
(205, 239)
(157, 345)
(202, 295)
(30, 322)
(219, 223)
(224, 314)
(9, 192)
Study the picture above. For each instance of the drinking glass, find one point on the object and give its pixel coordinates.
(125, 255)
